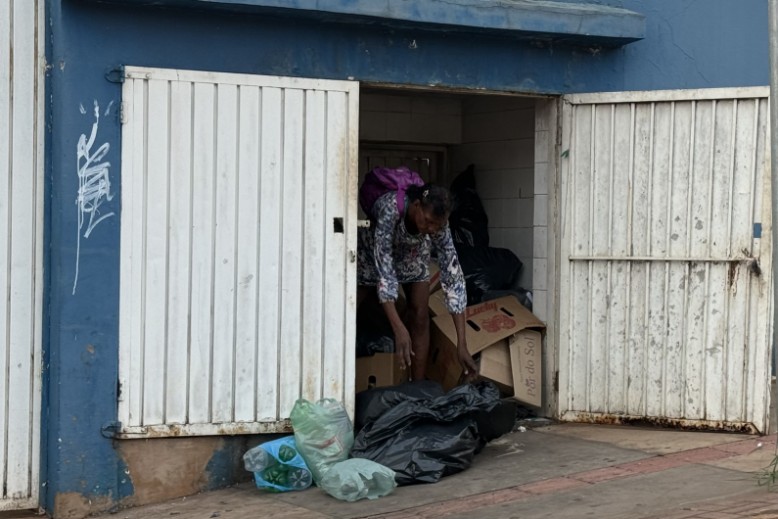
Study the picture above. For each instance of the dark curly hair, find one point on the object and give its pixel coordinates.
(432, 197)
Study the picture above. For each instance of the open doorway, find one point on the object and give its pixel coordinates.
(440, 134)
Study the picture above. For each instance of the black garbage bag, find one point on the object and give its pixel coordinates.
(488, 269)
(372, 403)
(425, 439)
(468, 221)
(523, 295)
(496, 422)
(370, 343)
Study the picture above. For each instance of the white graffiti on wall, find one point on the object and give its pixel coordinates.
(94, 184)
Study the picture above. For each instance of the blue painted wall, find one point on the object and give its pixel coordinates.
(689, 44)
(82, 327)
(698, 44)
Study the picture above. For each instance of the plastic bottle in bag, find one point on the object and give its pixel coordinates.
(257, 459)
(278, 466)
(299, 479)
(277, 474)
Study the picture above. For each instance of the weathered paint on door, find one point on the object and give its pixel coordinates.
(665, 293)
(238, 272)
(21, 237)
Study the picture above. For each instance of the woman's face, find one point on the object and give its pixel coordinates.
(424, 220)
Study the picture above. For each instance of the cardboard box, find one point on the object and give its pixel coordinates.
(501, 330)
(379, 370)
(525, 351)
(437, 304)
(495, 363)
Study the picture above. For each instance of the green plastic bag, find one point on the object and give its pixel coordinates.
(358, 478)
(323, 434)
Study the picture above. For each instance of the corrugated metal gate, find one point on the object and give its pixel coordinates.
(665, 293)
(21, 237)
(238, 273)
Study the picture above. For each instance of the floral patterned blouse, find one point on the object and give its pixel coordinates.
(389, 256)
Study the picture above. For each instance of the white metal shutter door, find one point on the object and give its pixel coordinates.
(665, 294)
(238, 278)
(21, 238)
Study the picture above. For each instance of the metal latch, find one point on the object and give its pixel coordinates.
(115, 75)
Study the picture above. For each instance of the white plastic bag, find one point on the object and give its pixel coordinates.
(358, 478)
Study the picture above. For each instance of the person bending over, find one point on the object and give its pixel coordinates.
(396, 250)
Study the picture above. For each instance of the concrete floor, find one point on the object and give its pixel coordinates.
(560, 471)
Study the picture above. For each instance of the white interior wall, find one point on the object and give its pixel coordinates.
(498, 138)
(409, 118)
(495, 133)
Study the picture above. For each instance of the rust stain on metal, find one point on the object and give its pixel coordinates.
(667, 423)
(732, 275)
(753, 265)
(281, 426)
(234, 429)
(188, 430)
(172, 430)
(309, 386)
(335, 387)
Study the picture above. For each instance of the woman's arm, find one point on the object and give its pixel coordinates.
(451, 277)
(385, 224)
(465, 359)
(453, 282)
(402, 338)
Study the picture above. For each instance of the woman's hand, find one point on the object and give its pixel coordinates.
(402, 345)
(469, 369)
(402, 339)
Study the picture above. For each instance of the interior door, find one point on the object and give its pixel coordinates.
(665, 266)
